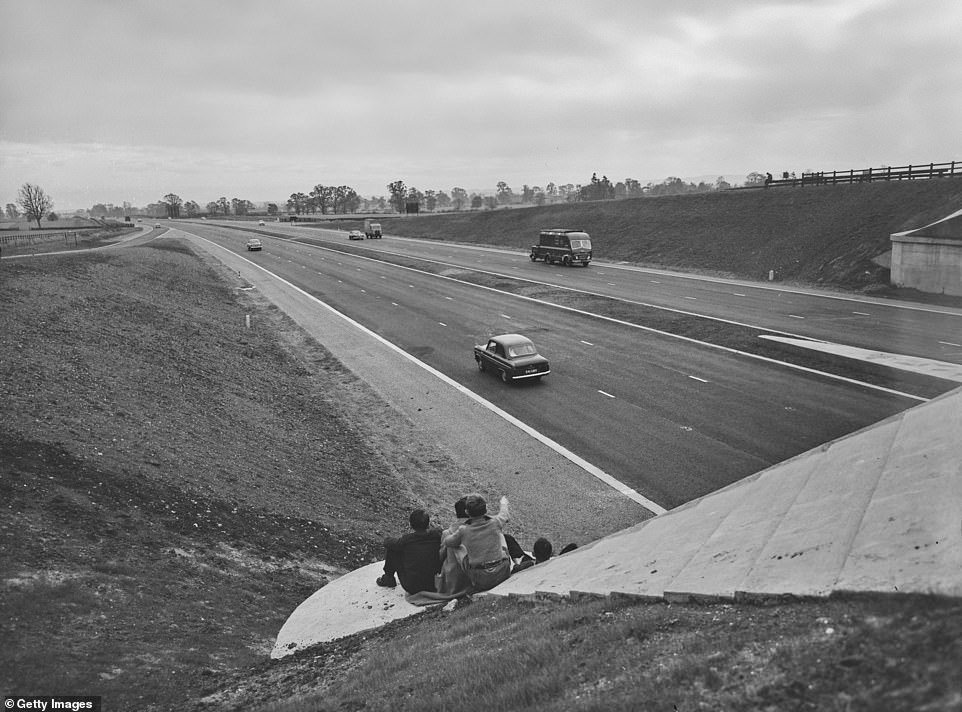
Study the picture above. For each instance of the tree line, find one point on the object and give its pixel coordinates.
(34, 204)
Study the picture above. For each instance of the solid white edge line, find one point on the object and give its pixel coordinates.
(592, 470)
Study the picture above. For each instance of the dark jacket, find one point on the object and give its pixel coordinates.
(419, 559)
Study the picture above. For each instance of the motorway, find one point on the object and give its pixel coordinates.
(672, 418)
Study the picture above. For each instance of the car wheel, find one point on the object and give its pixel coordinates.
(566, 261)
(481, 365)
(504, 376)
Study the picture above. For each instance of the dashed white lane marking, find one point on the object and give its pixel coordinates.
(795, 316)
(696, 378)
(505, 316)
(862, 313)
(738, 294)
(949, 343)
(586, 343)
(605, 393)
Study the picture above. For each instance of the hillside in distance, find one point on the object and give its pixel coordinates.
(828, 236)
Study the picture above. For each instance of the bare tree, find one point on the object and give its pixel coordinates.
(241, 206)
(34, 201)
(398, 192)
(459, 198)
(504, 193)
(172, 201)
(323, 197)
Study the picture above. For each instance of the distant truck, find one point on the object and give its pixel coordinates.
(569, 247)
(372, 230)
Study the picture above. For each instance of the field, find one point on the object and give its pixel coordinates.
(174, 484)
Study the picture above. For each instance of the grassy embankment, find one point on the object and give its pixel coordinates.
(827, 236)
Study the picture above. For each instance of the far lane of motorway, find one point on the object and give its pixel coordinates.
(884, 325)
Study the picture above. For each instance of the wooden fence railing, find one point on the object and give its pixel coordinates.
(867, 175)
(43, 236)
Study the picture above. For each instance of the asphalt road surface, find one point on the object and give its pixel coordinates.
(672, 418)
(885, 325)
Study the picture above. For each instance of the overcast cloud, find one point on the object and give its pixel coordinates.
(127, 100)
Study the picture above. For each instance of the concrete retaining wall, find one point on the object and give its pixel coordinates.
(929, 259)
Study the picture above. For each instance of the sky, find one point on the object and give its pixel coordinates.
(107, 101)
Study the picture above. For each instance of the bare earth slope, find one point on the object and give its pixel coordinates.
(154, 453)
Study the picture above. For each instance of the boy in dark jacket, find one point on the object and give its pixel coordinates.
(413, 557)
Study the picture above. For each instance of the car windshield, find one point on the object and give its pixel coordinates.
(581, 244)
(522, 350)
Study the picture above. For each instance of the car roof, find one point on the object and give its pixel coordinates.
(511, 339)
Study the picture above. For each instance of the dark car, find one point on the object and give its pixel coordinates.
(512, 356)
(253, 244)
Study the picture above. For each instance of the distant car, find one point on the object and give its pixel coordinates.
(254, 244)
(260, 222)
(355, 235)
(512, 356)
(157, 225)
(139, 219)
